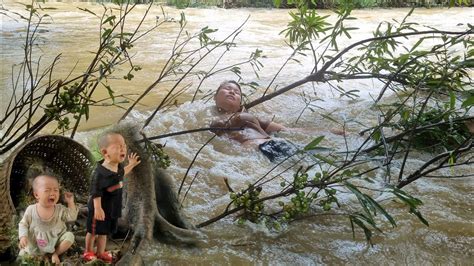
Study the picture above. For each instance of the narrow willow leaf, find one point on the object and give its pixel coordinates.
(452, 100)
(420, 217)
(324, 159)
(367, 232)
(111, 18)
(313, 144)
(86, 111)
(383, 211)
(87, 10)
(330, 118)
(417, 44)
(352, 226)
(361, 198)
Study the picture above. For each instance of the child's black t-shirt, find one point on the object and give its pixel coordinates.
(108, 185)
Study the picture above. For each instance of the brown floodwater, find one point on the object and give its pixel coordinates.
(322, 239)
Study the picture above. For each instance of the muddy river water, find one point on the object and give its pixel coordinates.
(323, 239)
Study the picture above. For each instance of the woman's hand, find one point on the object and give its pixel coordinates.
(246, 120)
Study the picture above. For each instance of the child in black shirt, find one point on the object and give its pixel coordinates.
(105, 204)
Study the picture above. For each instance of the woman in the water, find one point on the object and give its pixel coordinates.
(254, 131)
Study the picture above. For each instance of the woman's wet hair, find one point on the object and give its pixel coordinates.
(229, 82)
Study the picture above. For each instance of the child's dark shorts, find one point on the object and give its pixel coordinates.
(106, 227)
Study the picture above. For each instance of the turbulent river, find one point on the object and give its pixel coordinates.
(323, 239)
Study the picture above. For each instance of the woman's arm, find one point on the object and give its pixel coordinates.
(270, 126)
(335, 131)
(218, 124)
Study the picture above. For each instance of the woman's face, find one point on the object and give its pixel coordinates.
(228, 97)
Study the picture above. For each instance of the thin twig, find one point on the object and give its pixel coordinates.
(192, 162)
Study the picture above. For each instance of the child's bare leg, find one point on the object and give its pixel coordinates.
(101, 243)
(66, 241)
(63, 247)
(89, 243)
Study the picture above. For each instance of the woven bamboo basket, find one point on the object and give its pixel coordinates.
(68, 160)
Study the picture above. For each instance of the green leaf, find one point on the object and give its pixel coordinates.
(324, 159)
(417, 44)
(330, 118)
(352, 226)
(346, 33)
(106, 33)
(109, 19)
(405, 199)
(383, 211)
(360, 223)
(468, 63)
(468, 102)
(313, 144)
(87, 10)
(360, 197)
(376, 135)
(86, 111)
(111, 92)
(420, 217)
(452, 102)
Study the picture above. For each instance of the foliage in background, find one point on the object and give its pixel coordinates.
(320, 4)
(38, 99)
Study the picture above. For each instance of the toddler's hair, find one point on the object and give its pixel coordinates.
(103, 140)
(34, 184)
